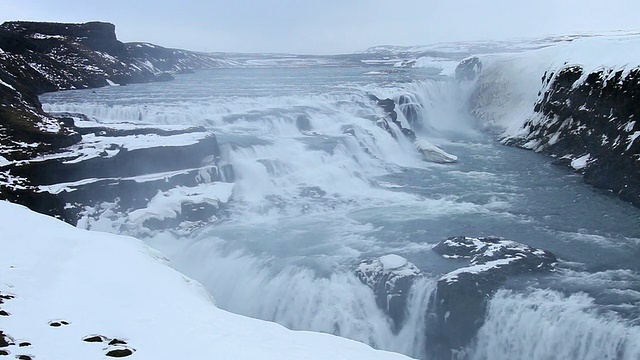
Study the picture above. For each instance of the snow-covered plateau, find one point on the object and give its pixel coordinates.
(68, 293)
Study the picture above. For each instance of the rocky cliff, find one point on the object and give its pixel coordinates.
(590, 122)
(60, 165)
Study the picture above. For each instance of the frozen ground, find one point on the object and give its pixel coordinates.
(62, 286)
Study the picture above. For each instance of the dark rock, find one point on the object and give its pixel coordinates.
(468, 69)
(4, 313)
(5, 340)
(4, 352)
(58, 323)
(461, 297)
(24, 357)
(24, 344)
(115, 174)
(388, 106)
(117, 342)
(120, 352)
(390, 277)
(94, 338)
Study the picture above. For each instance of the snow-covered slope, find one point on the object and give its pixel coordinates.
(61, 285)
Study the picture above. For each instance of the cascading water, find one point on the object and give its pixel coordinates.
(320, 186)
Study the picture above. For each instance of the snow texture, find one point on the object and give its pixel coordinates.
(61, 285)
(432, 153)
(168, 204)
(581, 162)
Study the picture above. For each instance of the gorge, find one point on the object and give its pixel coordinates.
(349, 196)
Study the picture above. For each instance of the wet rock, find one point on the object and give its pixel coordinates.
(461, 297)
(388, 106)
(390, 277)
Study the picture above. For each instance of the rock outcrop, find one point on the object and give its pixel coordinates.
(590, 122)
(391, 116)
(390, 277)
(461, 296)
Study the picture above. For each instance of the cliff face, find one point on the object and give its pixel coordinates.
(46, 162)
(590, 122)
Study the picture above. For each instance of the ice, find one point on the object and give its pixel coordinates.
(581, 162)
(392, 262)
(168, 204)
(432, 153)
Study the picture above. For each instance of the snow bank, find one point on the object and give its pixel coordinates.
(443, 65)
(69, 283)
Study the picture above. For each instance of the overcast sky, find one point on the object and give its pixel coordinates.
(329, 26)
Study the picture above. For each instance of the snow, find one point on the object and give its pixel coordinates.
(581, 162)
(632, 138)
(49, 125)
(43, 36)
(4, 162)
(7, 85)
(111, 83)
(392, 262)
(168, 204)
(93, 146)
(432, 153)
(443, 65)
(476, 269)
(117, 287)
